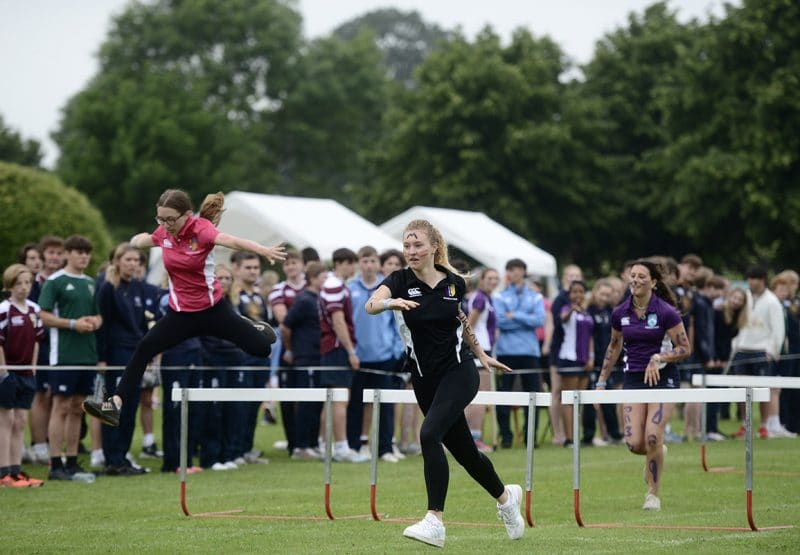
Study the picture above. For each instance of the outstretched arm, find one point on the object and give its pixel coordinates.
(381, 300)
(475, 346)
(273, 254)
(142, 241)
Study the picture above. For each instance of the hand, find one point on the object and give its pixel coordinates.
(589, 366)
(288, 357)
(274, 254)
(490, 362)
(355, 364)
(85, 324)
(652, 374)
(402, 304)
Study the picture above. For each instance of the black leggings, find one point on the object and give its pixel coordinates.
(175, 327)
(443, 397)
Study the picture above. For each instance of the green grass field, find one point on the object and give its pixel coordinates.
(143, 515)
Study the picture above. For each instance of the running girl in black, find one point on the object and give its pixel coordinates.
(426, 298)
(187, 243)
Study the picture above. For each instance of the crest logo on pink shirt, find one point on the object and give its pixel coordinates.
(193, 244)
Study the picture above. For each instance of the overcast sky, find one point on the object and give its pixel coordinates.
(47, 47)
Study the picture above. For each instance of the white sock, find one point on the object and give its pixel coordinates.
(148, 440)
(97, 452)
(773, 422)
(341, 446)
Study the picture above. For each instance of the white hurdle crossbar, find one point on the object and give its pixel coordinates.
(328, 396)
(505, 398)
(637, 396)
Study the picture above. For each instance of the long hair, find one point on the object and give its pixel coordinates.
(657, 273)
(737, 318)
(213, 207)
(112, 272)
(440, 256)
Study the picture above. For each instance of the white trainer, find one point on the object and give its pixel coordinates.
(429, 530)
(510, 512)
(97, 459)
(349, 455)
(219, 466)
(779, 431)
(651, 503)
(390, 458)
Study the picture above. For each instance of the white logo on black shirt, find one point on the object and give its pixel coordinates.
(414, 292)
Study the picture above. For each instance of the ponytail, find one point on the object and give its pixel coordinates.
(657, 273)
(212, 207)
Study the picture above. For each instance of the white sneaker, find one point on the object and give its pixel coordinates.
(396, 452)
(599, 442)
(240, 461)
(390, 458)
(41, 453)
(715, 436)
(779, 431)
(365, 451)
(651, 503)
(219, 466)
(429, 530)
(349, 455)
(230, 465)
(97, 459)
(307, 454)
(510, 513)
(27, 455)
(280, 445)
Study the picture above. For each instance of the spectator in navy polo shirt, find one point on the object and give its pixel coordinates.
(301, 337)
(639, 326)
(338, 345)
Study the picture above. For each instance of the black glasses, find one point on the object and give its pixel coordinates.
(169, 220)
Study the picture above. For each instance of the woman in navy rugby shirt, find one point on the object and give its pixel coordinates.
(187, 243)
(426, 298)
(645, 322)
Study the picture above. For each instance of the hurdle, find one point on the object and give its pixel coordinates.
(185, 395)
(718, 380)
(507, 398)
(748, 395)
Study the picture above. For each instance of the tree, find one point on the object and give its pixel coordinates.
(34, 204)
(15, 149)
(404, 38)
(184, 97)
(488, 128)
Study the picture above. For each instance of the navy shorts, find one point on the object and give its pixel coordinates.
(571, 368)
(42, 380)
(334, 378)
(753, 363)
(16, 391)
(669, 379)
(72, 382)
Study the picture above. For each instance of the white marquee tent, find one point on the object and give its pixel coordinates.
(480, 237)
(301, 222)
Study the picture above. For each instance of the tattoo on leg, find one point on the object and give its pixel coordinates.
(652, 440)
(658, 416)
(628, 431)
(653, 470)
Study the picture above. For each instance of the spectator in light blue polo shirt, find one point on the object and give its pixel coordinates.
(376, 349)
(519, 310)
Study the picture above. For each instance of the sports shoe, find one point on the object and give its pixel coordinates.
(763, 433)
(107, 411)
(230, 465)
(510, 513)
(190, 470)
(349, 455)
(32, 482)
(254, 457)
(740, 433)
(79, 474)
(240, 461)
(396, 452)
(304, 454)
(59, 474)
(27, 455)
(411, 449)
(9, 481)
(651, 503)
(41, 453)
(779, 431)
(599, 442)
(671, 437)
(266, 330)
(483, 447)
(151, 452)
(715, 436)
(390, 458)
(124, 470)
(219, 466)
(429, 530)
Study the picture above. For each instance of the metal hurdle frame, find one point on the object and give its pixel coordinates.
(718, 380)
(748, 395)
(507, 398)
(326, 395)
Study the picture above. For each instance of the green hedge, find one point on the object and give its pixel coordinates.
(34, 203)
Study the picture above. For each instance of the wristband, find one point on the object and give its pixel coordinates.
(72, 324)
(386, 304)
(352, 353)
(601, 383)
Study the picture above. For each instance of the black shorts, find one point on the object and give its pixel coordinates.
(72, 382)
(334, 378)
(669, 379)
(753, 363)
(571, 368)
(16, 391)
(42, 379)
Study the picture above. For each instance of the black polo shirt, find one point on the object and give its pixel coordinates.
(432, 331)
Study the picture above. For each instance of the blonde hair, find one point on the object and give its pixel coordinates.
(12, 273)
(235, 290)
(112, 272)
(212, 207)
(738, 319)
(440, 255)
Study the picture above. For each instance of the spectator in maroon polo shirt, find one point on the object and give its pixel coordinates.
(20, 332)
